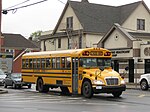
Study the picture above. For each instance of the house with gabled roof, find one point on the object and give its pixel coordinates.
(130, 49)
(17, 45)
(84, 24)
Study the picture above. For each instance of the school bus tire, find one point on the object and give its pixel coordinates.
(29, 86)
(65, 91)
(117, 94)
(41, 87)
(87, 90)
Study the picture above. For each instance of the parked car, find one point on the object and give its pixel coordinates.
(15, 80)
(2, 77)
(145, 81)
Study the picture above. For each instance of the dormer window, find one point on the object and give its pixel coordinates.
(140, 24)
(69, 22)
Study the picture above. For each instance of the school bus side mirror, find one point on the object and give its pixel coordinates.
(101, 68)
(127, 68)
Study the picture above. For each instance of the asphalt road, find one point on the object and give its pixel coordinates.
(28, 100)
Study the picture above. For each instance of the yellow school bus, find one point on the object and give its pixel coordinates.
(77, 71)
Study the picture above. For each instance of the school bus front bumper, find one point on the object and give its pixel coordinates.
(109, 89)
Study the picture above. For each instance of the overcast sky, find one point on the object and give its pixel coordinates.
(42, 16)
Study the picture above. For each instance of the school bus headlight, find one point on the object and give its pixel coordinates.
(122, 82)
(98, 82)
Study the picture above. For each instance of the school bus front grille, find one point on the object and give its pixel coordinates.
(112, 81)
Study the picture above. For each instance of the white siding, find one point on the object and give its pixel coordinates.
(50, 44)
(115, 42)
(42, 45)
(69, 13)
(139, 13)
(136, 44)
(92, 39)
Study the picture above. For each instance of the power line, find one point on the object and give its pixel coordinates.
(5, 11)
(15, 9)
(61, 1)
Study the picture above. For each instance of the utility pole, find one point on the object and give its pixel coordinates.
(0, 23)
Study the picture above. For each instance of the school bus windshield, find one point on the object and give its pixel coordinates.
(95, 62)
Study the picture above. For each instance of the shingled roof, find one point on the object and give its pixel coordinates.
(100, 18)
(16, 41)
(97, 18)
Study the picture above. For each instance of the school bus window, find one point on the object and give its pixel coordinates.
(92, 62)
(48, 62)
(53, 62)
(100, 62)
(83, 62)
(30, 63)
(27, 63)
(68, 62)
(38, 63)
(34, 63)
(43, 63)
(88, 62)
(107, 62)
(63, 62)
(23, 63)
(80, 62)
(57, 62)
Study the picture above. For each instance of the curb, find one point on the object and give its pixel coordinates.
(3, 91)
(133, 86)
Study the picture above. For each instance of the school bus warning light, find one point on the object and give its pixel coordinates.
(107, 53)
(86, 53)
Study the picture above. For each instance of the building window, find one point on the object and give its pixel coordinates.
(69, 22)
(59, 43)
(9, 50)
(140, 24)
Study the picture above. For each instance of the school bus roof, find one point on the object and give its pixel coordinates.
(70, 51)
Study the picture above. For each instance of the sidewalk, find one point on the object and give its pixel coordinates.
(132, 86)
(2, 91)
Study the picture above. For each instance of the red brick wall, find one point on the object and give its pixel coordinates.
(17, 63)
(17, 66)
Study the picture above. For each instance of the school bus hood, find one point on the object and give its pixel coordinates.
(105, 73)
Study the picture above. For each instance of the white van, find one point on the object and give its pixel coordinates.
(2, 77)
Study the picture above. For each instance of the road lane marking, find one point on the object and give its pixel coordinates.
(142, 95)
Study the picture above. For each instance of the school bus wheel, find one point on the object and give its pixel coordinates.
(65, 90)
(41, 87)
(117, 94)
(87, 90)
